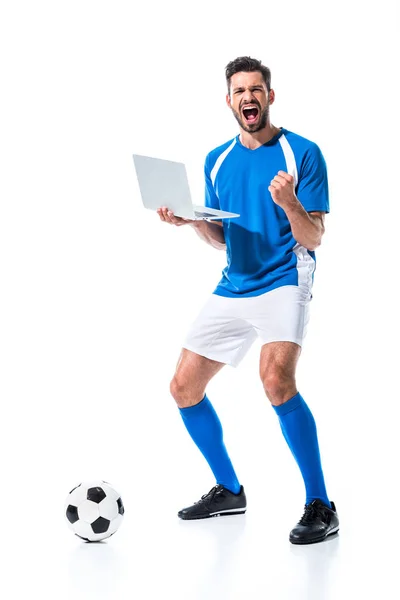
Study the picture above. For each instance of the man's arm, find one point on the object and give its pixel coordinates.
(210, 232)
(307, 227)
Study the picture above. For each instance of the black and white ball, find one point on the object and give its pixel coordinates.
(94, 510)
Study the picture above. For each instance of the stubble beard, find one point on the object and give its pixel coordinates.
(253, 128)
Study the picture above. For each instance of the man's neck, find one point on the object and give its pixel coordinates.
(257, 139)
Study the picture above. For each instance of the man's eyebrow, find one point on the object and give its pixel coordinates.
(252, 87)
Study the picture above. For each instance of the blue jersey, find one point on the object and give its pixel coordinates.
(262, 253)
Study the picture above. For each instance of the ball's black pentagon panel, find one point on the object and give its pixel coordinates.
(96, 494)
(100, 525)
(72, 513)
(75, 488)
(121, 508)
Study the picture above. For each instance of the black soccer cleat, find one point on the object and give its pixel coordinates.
(317, 522)
(219, 502)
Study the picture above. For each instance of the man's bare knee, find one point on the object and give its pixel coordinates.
(277, 370)
(193, 372)
(278, 387)
(184, 394)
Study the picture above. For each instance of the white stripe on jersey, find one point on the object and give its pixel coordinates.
(289, 157)
(219, 162)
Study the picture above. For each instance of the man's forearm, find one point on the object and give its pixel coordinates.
(307, 229)
(211, 233)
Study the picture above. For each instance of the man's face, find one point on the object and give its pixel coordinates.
(249, 100)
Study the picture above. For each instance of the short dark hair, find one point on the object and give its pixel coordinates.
(247, 64)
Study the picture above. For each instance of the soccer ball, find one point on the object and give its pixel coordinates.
(94, 510)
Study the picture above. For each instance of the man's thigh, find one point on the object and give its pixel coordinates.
(279, 358)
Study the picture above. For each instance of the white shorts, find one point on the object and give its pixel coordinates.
(227, 327)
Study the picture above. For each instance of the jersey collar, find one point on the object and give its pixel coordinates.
(271, 142)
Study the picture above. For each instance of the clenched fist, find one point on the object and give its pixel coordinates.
(282, 190)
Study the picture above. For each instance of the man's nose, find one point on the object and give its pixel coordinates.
(248, 96)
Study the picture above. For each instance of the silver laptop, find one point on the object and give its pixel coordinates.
(165, 183)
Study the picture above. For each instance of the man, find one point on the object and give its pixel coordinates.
(277, 182)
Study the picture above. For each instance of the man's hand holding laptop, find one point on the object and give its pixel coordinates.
(209, 231)
(168, 216)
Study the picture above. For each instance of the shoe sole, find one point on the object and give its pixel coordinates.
(320, 539)
(225, 513)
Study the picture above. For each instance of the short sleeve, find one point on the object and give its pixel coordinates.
(312, 188)
(211, 198)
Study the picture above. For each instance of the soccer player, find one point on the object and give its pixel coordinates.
(277, 181)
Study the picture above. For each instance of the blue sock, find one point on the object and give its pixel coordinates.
(299, 429)
(205, 429)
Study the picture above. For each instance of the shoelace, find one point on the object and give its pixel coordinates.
(210, 495)
(310, 512)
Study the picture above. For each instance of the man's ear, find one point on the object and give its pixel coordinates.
(228, 100)
(271, 96)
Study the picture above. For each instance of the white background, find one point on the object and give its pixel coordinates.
(97, 294)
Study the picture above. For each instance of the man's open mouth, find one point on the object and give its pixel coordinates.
(250, 113)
